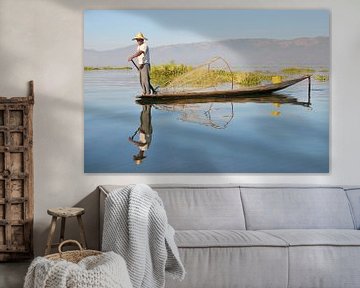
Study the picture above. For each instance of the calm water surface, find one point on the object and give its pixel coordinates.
(244, 137)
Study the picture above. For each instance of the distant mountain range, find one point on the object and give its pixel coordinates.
(271, 53)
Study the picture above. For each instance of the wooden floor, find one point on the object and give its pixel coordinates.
(12, 274)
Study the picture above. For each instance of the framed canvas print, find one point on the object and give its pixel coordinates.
(206, 91)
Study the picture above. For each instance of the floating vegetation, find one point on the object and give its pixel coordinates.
(164, 74)
(297, 70)
(186, 76)
(249, 79)
(180, 76)
(202, 78)
(321, 77)
(91, 68)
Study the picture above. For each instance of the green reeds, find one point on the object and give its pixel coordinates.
(91, 68)
(180, 75)
(321, 77)
(249, 79)
(164, 74)
(297, 70)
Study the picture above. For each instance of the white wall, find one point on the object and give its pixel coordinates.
(42, 40)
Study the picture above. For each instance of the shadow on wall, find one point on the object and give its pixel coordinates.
(12, 67)
(182, 20)
(90, 219)
(60, 182)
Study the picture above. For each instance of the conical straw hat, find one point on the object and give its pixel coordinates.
(139, 36)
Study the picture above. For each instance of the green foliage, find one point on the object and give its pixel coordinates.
(297, 70)
(322, 77)
(249, 79)
(181, 76)
(91, 68)
(204, 78)
(164, 74)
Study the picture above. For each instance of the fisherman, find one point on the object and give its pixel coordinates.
(143, 57)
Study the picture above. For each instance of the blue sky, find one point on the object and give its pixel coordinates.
(111, 29)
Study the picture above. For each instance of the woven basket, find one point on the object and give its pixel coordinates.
(72, 256)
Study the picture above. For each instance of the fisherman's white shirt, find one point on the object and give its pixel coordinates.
(144, 58)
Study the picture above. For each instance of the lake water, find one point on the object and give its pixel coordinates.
(268, 136)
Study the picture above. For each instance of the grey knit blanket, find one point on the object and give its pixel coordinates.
(107, 270)
(136, 227)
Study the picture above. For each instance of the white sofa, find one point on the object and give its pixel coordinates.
(264, 237)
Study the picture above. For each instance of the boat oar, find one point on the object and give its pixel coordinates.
(151, 87)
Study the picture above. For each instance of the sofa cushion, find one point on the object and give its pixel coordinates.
(315, 237)
(204, 208)
(323, 258)
(296, 208)
(324, 266)
(191, 207)
(354, 198)
(226, 238)
(223, 267)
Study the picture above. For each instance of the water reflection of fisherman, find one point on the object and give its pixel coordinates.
(144, 133)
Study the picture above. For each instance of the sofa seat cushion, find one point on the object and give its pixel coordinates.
(233, 267)
(317, 237)
(225, 238)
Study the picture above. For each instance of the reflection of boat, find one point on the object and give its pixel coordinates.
(217, 112)
(267, 98)
(241, 92)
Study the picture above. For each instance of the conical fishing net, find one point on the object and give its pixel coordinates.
(210, 76)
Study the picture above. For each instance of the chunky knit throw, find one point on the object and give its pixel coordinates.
(136, 227)
(107, 270)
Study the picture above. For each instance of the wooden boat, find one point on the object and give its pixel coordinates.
(253, 98)
(242, 92)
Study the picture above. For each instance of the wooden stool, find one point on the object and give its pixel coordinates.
(64, 213)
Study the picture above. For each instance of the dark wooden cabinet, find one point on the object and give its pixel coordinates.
(16, 177)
